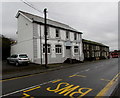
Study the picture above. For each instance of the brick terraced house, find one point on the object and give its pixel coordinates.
(94, 50)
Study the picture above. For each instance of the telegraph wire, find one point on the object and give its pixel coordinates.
(31, 5)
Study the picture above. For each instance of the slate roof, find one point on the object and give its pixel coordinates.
(50, 22)
(93, 42)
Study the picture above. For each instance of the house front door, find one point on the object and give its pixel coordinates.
(68, 52)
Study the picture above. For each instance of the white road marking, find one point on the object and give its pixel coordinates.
(26, 88)
(81, 71)
(87, 69)
(76, 73)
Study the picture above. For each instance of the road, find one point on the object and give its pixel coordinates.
(82, 80)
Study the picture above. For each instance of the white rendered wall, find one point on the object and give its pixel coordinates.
(23, 47)
(25, 29)
(53, 41)
(25, 38)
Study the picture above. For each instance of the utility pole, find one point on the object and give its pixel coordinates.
(45, 32)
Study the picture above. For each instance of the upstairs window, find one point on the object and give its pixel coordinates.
(92, 47)
(87, 46)
(75, 36)
(84, 46)
(58, 48)
(67, 35)
(48, 48)
(75, 49)
(57, 33)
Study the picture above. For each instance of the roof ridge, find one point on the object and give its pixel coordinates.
(94, 42)
(42, 17)
(29, 13)
(60, 23)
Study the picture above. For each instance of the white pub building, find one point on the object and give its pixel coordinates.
(62, 40)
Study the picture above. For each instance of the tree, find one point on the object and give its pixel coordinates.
(5, 47)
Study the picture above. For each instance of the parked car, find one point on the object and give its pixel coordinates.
(18, 59)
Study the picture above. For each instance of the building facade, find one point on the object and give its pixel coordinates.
(62, 41)
(94, 50)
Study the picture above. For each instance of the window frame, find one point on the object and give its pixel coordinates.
(59, 49)
(57, 32)
(93, 54)
(48, 47)
(67, 35)
(87, 45)
(76, 48)
(75, 36)
(88, 54)
(84, 45)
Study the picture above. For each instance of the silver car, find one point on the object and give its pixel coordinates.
(18, 59)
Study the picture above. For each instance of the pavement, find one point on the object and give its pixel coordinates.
(11, 71)
(116, 91)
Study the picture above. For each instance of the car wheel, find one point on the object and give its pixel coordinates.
(16, 63)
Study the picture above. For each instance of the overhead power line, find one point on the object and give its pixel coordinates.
(31, 5)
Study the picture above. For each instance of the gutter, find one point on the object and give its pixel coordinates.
(56, 27)
(116, 91)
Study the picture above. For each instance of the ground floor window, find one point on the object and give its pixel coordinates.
(48, 48)
(58, 48)
(96, 54)
(99, 54)
(75, 49)
(103, 53)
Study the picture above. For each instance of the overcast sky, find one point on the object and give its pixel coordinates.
(97, 20)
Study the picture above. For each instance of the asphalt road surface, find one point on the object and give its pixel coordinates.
(82, 80)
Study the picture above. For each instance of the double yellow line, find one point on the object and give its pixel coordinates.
(104, 91)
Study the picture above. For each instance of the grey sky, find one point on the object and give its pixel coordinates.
(97, 20)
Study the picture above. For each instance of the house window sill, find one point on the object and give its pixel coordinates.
(57, 37)
(58, 53)
(47, 53)
(76, 53)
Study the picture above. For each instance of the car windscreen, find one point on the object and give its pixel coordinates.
(23, 56)
(14, 56)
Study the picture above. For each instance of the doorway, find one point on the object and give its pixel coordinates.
(68, 52)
